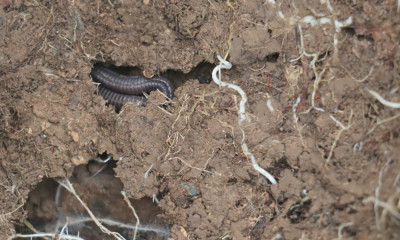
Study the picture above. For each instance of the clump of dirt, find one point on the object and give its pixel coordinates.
(307, 69)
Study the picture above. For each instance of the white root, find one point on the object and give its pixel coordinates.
(242, 114)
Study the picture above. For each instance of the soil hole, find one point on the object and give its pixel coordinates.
(53, 209)
(117, 92)
(202, 72)
(273, 57)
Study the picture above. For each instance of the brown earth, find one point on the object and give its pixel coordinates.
(51, 119)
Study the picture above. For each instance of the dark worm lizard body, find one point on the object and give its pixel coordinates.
(119, 89)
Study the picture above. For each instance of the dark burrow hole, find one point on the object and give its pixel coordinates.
(299, 211)
(202, 72)
(273, 57)
(351, 31)
(52, 209)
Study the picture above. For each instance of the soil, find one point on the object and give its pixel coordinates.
(327, 141)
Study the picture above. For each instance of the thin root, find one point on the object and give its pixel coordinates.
(67, 185)
(134, 213)
(242, 114)
(200, 169)
(371, 70)
(341, 227)
(382, 100)
(379, 122)
(342, 129)
(384, 205)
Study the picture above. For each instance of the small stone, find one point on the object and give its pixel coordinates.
(53, 120)
(183, 231)
(323, 121)
(75, 136)
(45, 125)
(78, 160)
(146, 39)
